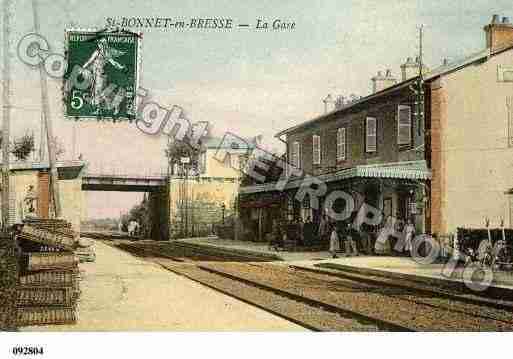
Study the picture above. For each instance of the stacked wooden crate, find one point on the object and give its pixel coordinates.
(8, 281)
(48, 281)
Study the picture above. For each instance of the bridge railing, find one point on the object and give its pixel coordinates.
(139, 175)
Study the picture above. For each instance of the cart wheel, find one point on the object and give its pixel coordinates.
(505, 257)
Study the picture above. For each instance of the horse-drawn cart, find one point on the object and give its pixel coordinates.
(490, 247)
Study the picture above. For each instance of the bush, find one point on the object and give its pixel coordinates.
(23, 146)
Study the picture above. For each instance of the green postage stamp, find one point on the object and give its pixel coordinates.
(102, 76)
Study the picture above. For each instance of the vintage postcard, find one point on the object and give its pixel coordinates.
(273, 166)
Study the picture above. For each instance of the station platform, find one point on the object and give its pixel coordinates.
(387, 266)
(255, 248)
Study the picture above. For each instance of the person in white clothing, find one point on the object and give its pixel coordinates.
(409, 231)
(334, 242)
(132, 228)
(349, 243)
(382, 245)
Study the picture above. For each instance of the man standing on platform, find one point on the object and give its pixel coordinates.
(350, 245)
(323, 228)
(334, 241)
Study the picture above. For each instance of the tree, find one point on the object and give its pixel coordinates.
(23, 147)
(178, 149)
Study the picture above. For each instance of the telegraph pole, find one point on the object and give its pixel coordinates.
(421, 33)
(50, 139)
(42, 141)
(6, 123)
(420, 85)
(186, 191)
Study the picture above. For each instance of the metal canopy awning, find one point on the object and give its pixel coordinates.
(411, 170)
(415, 170)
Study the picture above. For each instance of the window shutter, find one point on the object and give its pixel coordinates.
(316, 147)
(296, 155)
(511, 210)
(12, 202)
(370, 131)
(341, 144)
(403, 125)
(509, 105)
(293, 154)
(203, 162)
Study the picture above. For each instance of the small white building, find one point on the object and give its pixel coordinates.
(199, 200)
(30, 191)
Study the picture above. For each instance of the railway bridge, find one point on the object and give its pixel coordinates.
(96, 181)
(156, 185)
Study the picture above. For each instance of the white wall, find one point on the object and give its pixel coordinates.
(478, 164)
(70, 192)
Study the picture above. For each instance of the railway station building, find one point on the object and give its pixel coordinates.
(371, 148)
(451, 167)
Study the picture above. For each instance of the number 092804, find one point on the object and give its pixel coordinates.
(27, 350)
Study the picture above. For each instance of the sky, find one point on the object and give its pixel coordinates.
(245, 81)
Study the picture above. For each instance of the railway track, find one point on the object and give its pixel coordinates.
(419, 287)
(325, 300)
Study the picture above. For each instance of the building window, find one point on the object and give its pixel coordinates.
(243, 162)
(403, 125)
(504, 73)
(370, 134)
(234, 160)
(341, 144)
(295, 158)
(511, 209)
(203, 162)
(290, 209)
(306, 210)
(388, 207)
(316, 147)
(509, 106)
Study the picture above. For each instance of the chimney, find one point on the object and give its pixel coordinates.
(380, 82)
(329, 103)
(445, 62)
(499, 34)
(411, 68)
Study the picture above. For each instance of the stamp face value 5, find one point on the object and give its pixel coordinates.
(102, 75)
